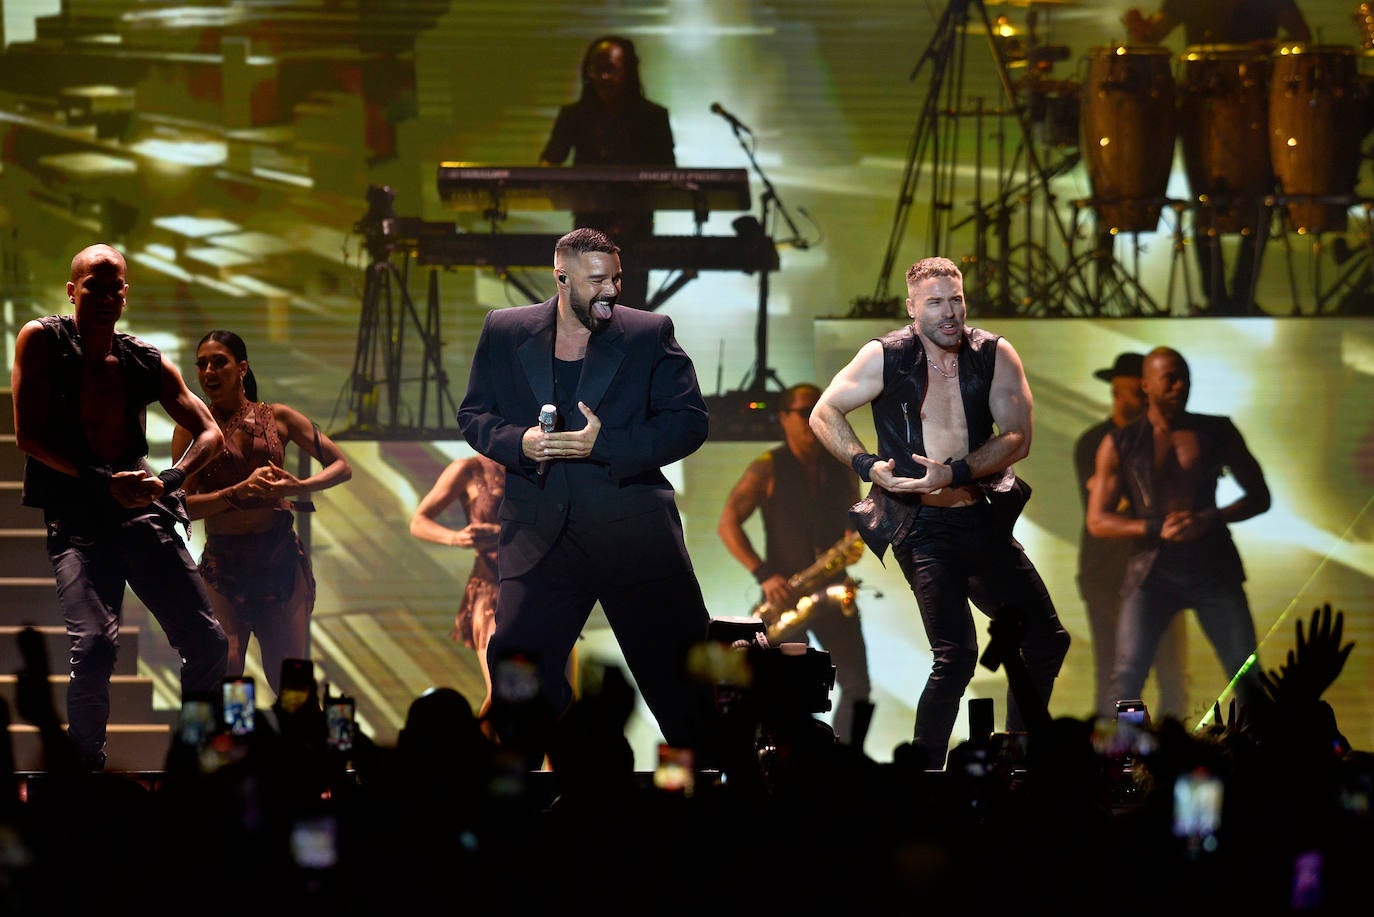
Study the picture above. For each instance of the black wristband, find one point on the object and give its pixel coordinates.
(959, 468)
(97, 476)
(172, 479)
(1153, 526)
(763, 572)
(862, 463)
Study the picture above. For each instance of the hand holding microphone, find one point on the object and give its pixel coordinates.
(548, 420)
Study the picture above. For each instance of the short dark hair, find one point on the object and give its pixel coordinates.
(583, 240)
(790, 394)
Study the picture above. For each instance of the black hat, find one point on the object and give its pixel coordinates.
(1127, 364)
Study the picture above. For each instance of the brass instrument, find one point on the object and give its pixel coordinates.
(841, 554)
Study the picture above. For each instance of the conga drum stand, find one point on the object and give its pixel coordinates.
(1114, 287)
(1352, 290)
(1214, 217)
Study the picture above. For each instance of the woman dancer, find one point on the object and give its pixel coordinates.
(259, 577)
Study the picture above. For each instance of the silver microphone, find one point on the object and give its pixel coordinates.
(548, 420)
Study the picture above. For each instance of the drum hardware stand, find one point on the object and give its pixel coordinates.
(1217, 292)
(946, 51)
(1037, 277)
(985, 216)
(1279, 205)
(1316, 249)
(1353, 271)
(1260, 241)
(381, 337)
(1256, 241)
(1178, 258)
(1114, 290)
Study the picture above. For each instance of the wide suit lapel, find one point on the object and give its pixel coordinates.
(536, 354)
(605, 353)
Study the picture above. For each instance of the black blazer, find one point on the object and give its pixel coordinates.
(641, 385)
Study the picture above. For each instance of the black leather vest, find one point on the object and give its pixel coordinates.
(884, 518)
(141, 364)
(897, 411)
(1216, 550)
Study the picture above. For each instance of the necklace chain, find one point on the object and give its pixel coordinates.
(936, 363)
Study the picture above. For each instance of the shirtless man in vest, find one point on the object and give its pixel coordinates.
(952, 410)
(81, 390)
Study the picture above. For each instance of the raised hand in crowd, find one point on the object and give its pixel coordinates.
(1314, 664)
(1235, 720)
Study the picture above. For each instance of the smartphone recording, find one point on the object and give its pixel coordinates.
(239, 697)
(297, 684)
(676, 770)
(1197, 809)
(1134, 712)
(340, 716)
(197, 722)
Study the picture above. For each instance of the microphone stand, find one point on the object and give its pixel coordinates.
(771, 207)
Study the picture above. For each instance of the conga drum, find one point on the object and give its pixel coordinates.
(1316, 122)
(1128, 127)
(1224, 127)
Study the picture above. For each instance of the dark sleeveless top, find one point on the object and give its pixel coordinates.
(1215, 552)
(800, 522)
(140, 363)
(235, 464)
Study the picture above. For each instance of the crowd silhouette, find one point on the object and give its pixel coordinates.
(1263, 810)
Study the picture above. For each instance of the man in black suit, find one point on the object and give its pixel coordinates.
(588, 515)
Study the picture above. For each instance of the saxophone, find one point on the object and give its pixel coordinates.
(841, 554)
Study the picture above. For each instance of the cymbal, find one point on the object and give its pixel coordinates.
(1001, 28)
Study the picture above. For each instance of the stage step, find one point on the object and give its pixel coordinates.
(23, 551)
(131, 696)
(55, 637)
(128, 746)
(11, 459)
(13, 514)
(29, 600)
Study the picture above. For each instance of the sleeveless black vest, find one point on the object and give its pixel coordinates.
(799, 524)
(884, 518)
(141, 364)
